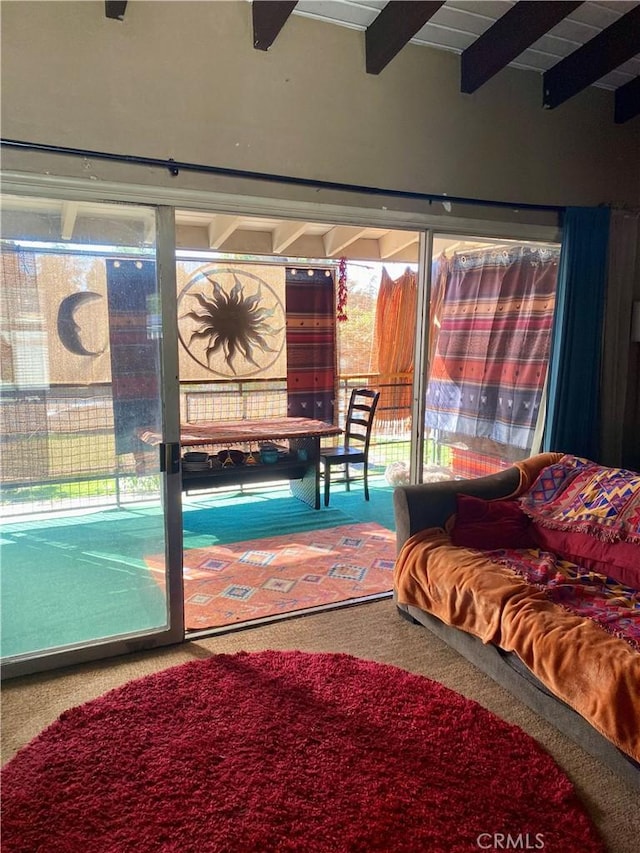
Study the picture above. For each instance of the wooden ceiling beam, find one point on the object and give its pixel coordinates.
(68, 216)
(269, 17)
(393, 28)
(521, 26)
(115, 9)
(285, 234)
(627, 101)
(395, 241)
(149, 224)
(339, 238)
(604, 53)
(221, 228)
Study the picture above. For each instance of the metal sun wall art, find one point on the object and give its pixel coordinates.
(231, 322)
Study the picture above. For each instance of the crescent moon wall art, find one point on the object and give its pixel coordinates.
(69, 330)
(69, 303)
(232, 323)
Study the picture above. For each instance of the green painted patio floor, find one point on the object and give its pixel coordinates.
(68, 579)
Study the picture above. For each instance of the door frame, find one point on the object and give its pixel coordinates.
(44, 660)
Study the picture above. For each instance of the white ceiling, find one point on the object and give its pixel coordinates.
(458, 23)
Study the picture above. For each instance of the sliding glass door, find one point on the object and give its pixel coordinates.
(90, 509)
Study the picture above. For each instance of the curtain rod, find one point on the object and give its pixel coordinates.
(176, 166)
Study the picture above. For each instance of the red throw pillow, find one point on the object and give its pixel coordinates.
(618, 560)
(490, 524)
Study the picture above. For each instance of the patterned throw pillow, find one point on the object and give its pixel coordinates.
(589, 514)
(490, 524)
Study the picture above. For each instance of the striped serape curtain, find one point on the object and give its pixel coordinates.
(311, 343)
(441, 270)
(470, 464)
(491, 359)
(135, 352)
(394, 343)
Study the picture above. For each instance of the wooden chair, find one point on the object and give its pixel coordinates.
(357, 433)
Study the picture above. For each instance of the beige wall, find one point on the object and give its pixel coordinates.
(182, 80)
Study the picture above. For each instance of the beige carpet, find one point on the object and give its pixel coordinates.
(373, 631)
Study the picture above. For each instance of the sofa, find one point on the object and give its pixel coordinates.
(533, 574)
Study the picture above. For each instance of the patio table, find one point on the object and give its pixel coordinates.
(298, 462)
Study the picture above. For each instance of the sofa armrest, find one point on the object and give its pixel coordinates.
(425, 505)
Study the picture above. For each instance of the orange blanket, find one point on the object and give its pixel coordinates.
(595, 673)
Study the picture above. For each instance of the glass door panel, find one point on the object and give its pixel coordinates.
(490, 320)
(83, 529)
(376, 350)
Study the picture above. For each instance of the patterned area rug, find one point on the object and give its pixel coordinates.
(226, 584)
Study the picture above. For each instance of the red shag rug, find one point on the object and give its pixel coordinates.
(287, 751)
(258, 578)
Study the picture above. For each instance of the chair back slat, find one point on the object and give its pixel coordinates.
(360, 414)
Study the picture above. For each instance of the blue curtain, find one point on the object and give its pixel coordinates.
(572, 422)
